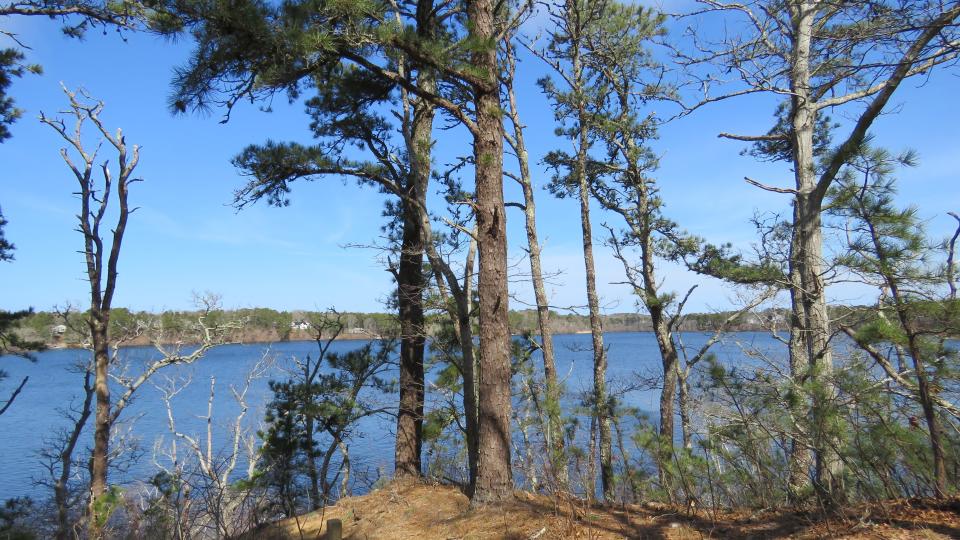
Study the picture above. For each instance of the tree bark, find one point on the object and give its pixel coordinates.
(810, 334)
(410, 304)
(101, 433)
(668, 394)
(811, 357)
(601, 399)
(800, 459)
(926, 402)
(554, 429)
(410, 282)
(61, 491)
(494, 476)
(686, 428)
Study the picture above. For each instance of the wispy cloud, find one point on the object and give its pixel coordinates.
(229, 230)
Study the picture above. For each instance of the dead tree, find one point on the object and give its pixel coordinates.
(101, 261)
(206, 467)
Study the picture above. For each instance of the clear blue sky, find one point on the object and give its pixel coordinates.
(185, 237)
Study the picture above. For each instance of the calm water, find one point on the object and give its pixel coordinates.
(53, 384)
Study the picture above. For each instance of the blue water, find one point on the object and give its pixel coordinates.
(34, 417)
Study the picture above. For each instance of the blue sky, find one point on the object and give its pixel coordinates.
(185, 237)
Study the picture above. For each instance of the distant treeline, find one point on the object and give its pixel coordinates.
(241, 325)
(267, 325)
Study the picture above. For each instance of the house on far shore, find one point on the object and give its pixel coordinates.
(300, 325)
(58, 330)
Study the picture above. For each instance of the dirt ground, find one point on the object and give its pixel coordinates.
(410, 510)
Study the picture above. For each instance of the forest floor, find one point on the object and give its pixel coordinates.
(411, 510)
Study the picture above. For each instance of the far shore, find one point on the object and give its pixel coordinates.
(346, 337)
(147, 343)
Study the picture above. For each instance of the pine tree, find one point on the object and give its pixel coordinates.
(821, 56)
(888, 248)
(576, 103)
(251, 50)
(311, 418)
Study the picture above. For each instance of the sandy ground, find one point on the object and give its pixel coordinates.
(410, 510)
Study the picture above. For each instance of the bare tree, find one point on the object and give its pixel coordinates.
(211, 504)
(60, 453)
(101, 260)
(58, 457)
(101, 263)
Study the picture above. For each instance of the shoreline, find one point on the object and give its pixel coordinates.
(361, 337)
(345, 337)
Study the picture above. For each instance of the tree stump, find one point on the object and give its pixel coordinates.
(334, 529)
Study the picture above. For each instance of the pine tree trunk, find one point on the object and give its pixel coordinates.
(553, 435)
(410, 284)
(494, 475)
(313, 476)
(662, 329)
(470, 390)
(554, 432)
(930, 415)
(810, 333)
(828, 466)
(601, 400)
(410, 304)
(800, 459)
(668, 394)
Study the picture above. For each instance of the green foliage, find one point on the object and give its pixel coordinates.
(589, 38)
(684, 472)
(723, 263)
(266, 320)
(915, 312)
(312, 414)
(107, 504)
(15, 518)
(252, 49)
(6, 248)
(884, 446)
(11, 67)
(10, 340)
(778, 147)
